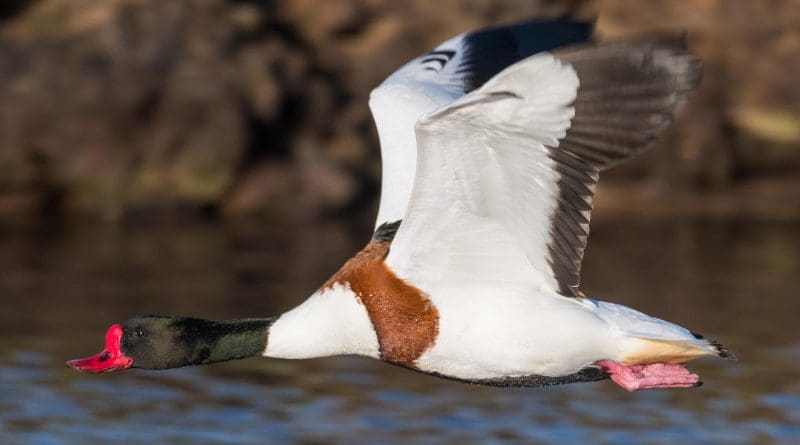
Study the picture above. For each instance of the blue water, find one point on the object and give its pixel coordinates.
(738, 282)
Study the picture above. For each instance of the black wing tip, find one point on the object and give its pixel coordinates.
(568, 19)
(722, 350)
(586, 26)
(489, 50)
(545, 33)
(565, 28)
(387, 231)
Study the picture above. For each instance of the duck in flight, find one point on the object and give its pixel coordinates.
(492, 145)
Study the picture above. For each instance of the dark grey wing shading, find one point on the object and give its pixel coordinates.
(627, 96)
(485, 53)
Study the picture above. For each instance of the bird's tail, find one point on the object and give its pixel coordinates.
(656, 350)
(646, 339)
(719, 349)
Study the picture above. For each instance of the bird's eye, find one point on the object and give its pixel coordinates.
(140, 332)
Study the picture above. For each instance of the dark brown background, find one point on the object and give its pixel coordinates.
(115, 109)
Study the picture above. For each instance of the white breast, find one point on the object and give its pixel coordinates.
(330, 322)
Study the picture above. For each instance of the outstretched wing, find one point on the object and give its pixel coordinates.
(438, 78)
(505, 175)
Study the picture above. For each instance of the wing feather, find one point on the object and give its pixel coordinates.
(506, 174)
(484, 162)
(436, 79)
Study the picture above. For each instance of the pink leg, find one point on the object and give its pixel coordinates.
(655, 375)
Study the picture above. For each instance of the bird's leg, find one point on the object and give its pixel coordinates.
(654, 375)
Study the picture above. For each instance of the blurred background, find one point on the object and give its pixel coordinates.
(119, 108)
(216, 158)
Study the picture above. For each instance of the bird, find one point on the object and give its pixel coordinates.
(492, 144)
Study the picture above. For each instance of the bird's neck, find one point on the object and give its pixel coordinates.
(212, 341)
(330, 322)
(236, 339)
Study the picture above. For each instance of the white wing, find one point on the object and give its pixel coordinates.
(505, 175)
(440, 77)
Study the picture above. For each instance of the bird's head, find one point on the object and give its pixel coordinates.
(148, 341)
(162, 342)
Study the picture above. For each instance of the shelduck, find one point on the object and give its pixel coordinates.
(492, 145)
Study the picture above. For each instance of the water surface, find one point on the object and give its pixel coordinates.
(61, 288)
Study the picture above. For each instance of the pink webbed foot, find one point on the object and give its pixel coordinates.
(655, 375)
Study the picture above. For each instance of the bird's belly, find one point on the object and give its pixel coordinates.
(523, 336)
